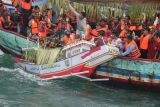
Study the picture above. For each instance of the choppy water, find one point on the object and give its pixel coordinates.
(19, 89)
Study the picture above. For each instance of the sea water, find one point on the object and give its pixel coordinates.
(20, 89)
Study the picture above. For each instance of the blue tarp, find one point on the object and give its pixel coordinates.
(40, 2)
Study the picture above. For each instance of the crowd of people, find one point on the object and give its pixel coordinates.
(140, 40)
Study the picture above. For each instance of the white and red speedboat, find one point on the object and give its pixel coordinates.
(80, 58)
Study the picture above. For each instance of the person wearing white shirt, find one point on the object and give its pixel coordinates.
(81, 21)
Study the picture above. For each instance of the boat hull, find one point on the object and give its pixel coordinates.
(13, 43)
(124, 71)
(84, 63)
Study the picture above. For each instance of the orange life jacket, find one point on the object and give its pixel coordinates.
(132, 28)
(103, 29)
(68, 26)
(34, 27)
(152, 27)
(9, 18)
(94, 32)
(67, 40)
(88, 29)
(59, 24)
(1, 20)
(144, 42)
(42, 29)
(134, 53)
(25, 5)
(15, 2)
(139, 27)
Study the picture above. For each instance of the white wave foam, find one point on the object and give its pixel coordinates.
(23, 76)
(1, 53)
(4, 103)
(7, 69)
(32, 77)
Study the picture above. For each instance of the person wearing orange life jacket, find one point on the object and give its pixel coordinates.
(26, 12)
(49, 13)
(72, 18)
(103, 26)
(133, 28)
(66, 38)
(15, 2)
(7, 20)
(1, 21)
(144, 39)
(48, 21)
(33, 24)
(123, 34)
(93, 34)
(42, 28)
(67, 24)
(131, 48)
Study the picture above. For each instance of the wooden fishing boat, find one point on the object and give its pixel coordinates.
(139, 73)
(80, 58)
(13, 43)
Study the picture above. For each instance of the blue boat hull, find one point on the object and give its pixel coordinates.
(128, 79)
(13, 43)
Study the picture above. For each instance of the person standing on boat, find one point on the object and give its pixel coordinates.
(81, 21)
(33, 24)
(144, 41)
(131, 48)
(26, 12)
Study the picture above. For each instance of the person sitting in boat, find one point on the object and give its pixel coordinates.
(131, 48)
(81, 21)
(115, 40)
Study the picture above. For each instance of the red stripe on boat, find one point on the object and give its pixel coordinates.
(76, 69)
(134, 82)
(19, 60)
(91, 51)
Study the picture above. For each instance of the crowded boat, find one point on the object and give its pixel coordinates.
(134, 40)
